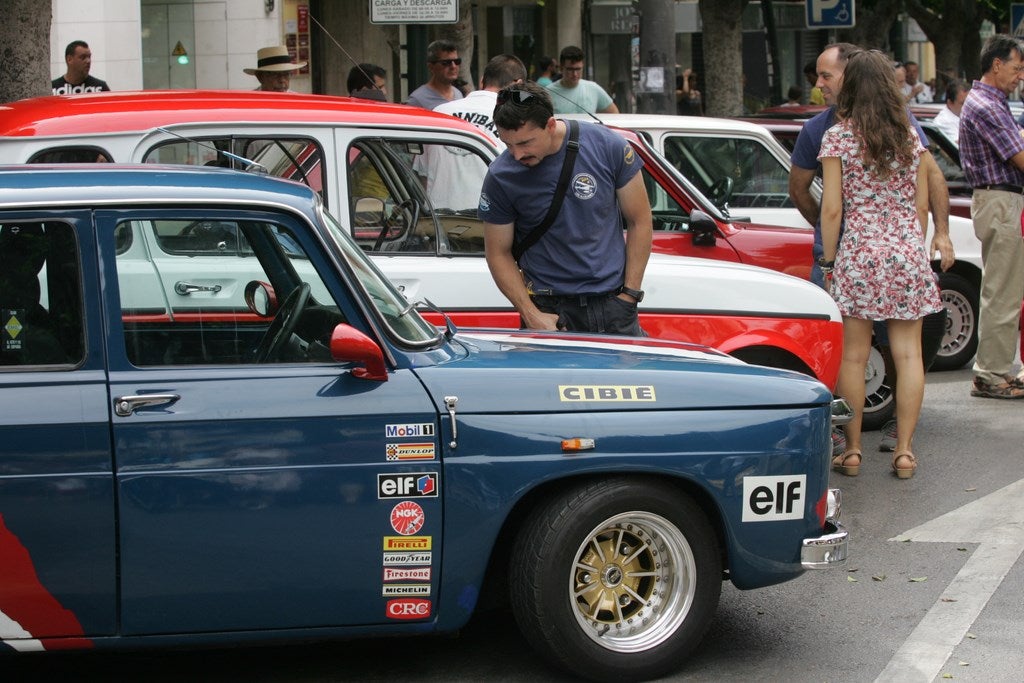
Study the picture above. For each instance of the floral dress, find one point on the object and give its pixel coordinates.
(882, 270)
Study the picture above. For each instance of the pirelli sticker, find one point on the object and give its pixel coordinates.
(609, 393)
(407, 542)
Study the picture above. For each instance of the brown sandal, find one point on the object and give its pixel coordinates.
(1007, 389)
(839, 463)
(904, 472)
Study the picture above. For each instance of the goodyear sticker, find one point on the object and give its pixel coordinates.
(406, 559)
(413, 430)
(613, 393)
(407, 542)
(409, 451)
(406, 589)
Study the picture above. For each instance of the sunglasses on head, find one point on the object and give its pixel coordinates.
(517, 96)
(448, 62)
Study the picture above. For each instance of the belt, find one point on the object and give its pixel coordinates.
(1003, 187)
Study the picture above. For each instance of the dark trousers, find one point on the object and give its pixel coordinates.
(598, 313)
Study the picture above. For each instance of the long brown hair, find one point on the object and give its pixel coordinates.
(873, 103)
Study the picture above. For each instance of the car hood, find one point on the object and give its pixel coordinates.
(504, 371)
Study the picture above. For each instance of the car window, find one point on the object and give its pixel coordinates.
(949, 165)
(759, 179)
(198, 291)
(295, 158)
(80, 154)
(416, 198)
(667, 213)
(40, 295)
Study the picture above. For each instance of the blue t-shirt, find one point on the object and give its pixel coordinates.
(805, 156)
(583, 252)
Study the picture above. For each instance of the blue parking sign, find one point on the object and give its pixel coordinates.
(1017, 18)
(830, 14)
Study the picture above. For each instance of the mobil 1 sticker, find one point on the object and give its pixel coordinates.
(407, 485)
(774, 499)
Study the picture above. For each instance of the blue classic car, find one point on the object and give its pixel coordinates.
(319, 462)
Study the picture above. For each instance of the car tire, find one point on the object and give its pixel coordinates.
(653, 588)
(960, 341)
(879, 388)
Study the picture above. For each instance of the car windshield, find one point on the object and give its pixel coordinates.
(398, 314)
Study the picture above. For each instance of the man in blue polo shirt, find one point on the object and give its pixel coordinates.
(580, 275)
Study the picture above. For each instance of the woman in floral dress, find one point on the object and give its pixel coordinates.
(879, 266)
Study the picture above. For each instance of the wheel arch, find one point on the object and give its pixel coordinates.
(964, 269)
(494, 589)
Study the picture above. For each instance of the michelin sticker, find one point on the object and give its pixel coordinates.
(774, 499)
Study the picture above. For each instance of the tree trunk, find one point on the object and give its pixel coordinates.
(953, 30)
(874, 19)
(461, 33)
(25, 49)
(723, 56)
(657, 52)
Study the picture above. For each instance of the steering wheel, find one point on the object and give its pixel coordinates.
(410, 205)
(721, 191)
(281, 329)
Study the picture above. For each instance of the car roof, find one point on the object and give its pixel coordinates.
(706, 124)
(116, 112)
(66, 185)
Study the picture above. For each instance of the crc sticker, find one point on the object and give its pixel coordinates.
(617, 393)
(410, 451)
(407, 574)
(584, 186)
(411, 485)
(413, 608)
(774, 499)
(407, 542)
(406, 589)
(395, 559)
(407, 518)
(413, 430)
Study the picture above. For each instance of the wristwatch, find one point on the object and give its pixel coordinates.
(637, 294)
(825, 264)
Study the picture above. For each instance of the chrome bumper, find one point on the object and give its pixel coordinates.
(830, 548)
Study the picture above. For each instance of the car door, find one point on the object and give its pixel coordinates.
(259, 491)
(57, 525)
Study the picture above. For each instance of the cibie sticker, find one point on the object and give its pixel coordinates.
(612, 393)
(407, 517)
(774, 499)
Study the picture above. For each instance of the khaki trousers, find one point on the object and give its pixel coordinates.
(997, 223)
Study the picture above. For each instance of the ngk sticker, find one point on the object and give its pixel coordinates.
(407, 518)
(774, 499)
(409, 608)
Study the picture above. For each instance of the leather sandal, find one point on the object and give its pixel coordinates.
(839, 463)
(904, 472)
(1008, 389)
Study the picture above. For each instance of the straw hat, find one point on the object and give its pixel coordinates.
(275, 58)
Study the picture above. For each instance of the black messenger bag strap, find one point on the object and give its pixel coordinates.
(572, 147)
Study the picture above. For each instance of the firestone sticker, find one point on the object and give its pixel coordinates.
(407, 574)
(774, 499)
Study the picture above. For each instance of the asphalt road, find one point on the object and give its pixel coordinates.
(943, 605)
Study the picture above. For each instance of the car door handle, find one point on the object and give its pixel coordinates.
(186, 288)
(126, 405)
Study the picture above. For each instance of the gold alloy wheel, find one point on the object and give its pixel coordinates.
(633, 581)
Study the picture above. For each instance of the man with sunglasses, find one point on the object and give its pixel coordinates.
(580, 275)
(443, 63)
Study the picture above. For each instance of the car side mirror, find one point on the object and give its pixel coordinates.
(703, 229)
(260, 298)
(368, 211)
(349, 345)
